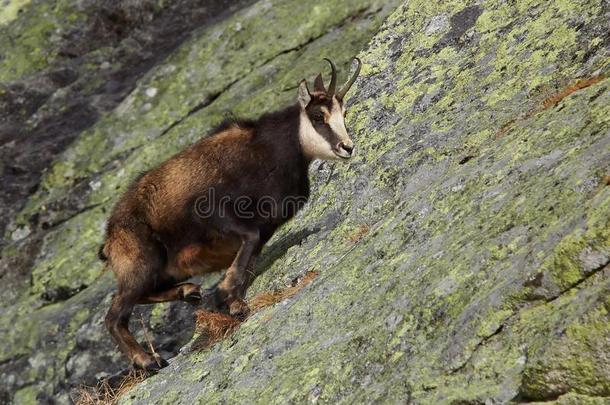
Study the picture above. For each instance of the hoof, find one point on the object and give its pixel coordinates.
(239, 309)
(191, 293)
(213, 301)
(193, 297)
(150, 363)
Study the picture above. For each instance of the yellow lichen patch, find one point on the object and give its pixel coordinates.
(9, 11)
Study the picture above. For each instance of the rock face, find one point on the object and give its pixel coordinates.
(462, 254)
(155, 76)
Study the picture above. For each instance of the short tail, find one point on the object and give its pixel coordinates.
(100, 253)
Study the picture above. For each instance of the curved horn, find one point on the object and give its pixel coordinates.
(318, 84)
(351, 81)
(333, 77)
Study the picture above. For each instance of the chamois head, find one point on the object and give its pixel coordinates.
(322, 126)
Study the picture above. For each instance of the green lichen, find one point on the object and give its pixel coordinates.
(10, 9)
(30, 42)
(565, 266)
(26, 396)
(75, 267)
(572, 363)
(440, 302)
(484, 226)
(575, 399)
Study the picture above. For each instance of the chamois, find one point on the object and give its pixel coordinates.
(214, 205)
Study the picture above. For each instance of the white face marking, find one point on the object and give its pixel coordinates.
(337, 123)
(314, 145)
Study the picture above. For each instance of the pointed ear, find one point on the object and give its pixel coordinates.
(318, 84)
(304, 95)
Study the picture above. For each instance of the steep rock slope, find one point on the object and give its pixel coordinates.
(245, 61)
(482, 178)
(65, 63)
(462, 255)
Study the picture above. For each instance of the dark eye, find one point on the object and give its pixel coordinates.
(317, 117)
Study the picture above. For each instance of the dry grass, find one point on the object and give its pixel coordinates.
(267, 298)
(105, 394)
(215, 326)
(508, 126)
(359, 233)
(550, 101)
(579, 85)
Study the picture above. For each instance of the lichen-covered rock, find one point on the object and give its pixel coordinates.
(56, 292)
(63, 65)
(484, 143)
(463, 253)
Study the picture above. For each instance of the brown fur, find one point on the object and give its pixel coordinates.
(157, 237)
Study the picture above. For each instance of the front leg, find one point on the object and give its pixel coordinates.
(232, 288)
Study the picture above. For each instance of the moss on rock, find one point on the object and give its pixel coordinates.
(442, 301)
(482, 276)
(173, 105)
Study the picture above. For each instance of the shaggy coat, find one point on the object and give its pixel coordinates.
(214, 205)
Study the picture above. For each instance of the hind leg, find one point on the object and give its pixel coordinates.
(188, 292)
(138, 262)
(117, 322)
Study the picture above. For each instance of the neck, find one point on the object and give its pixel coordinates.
(283, 128)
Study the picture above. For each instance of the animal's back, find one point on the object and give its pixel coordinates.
(166, 194)
(159, 207)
